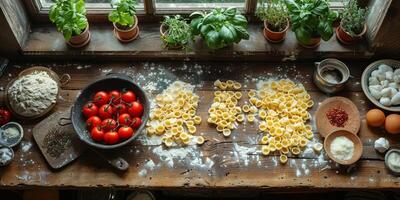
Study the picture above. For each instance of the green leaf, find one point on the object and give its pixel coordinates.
(226, 34)
(205, 29)
(213, 40)
(195, 25)
(239, 20)
(113, 17)
(234, 33)
(242, 32)
(303, 35)
(325, 30)
(230, 11)
(196, 14)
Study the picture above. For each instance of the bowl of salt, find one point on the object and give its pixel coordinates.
(11, 134)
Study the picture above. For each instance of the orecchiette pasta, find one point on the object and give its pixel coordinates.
(174, 117)
(282, 107)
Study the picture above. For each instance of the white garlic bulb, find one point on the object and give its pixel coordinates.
(386, 92)
(395, 99)
(385, 101)
(385, 68)
(389, 76)
(381, 145)
(375, 91)
(373, 81)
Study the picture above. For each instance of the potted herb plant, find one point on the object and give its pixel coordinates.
(175, 32)
(124, 19)
(311, 21)
(352, 26)
(276, 19)
(220, 27)
(69, 16)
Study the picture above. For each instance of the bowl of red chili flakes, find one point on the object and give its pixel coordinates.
(337, 113)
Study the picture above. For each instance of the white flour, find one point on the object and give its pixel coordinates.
(32, 94)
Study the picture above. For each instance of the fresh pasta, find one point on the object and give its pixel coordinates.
(174, 116)
(224, 112)
(282, 107)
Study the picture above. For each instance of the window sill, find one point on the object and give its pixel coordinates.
(45, 41)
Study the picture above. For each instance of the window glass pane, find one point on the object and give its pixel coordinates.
(197, 4)
(92, 4)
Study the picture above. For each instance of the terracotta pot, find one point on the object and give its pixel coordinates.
(129, 34)
(273, 36)
(344, 37)
(81, 40)
(163, 32)
(313, 43)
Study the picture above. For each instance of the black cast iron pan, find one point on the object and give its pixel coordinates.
(110, 82)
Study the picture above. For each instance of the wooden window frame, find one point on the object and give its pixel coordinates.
(97, 12)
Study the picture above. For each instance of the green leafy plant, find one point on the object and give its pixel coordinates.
(220, 27)
(311, 18)
(275, 13)
(353, 18)
(69, 16)
(178, 32)
(123, 13)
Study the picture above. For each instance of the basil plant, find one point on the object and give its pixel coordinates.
(220, 27)
(311, 18)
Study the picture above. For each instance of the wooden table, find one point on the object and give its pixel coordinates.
(221, 163)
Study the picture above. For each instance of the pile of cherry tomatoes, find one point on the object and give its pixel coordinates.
(113, 117)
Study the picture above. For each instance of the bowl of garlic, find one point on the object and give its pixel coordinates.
(380, 82)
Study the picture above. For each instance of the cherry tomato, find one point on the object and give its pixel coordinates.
(108, 124)
(136, 122)
(120, 108)
(106, 111)
(115, 95)
(5, 116)
(135, 109)
(93, 121)
(101, 98)
(111, 137)
(125, 119)
(125, 132)
(97, 134)
(128, 96)
(90, 109)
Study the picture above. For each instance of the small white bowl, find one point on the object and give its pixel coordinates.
(12, 157)
(14, 142)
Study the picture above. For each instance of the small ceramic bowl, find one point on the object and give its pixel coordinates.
(324, 127)
(358, 147)
(397, 173)
(8, 161)
(14, 141)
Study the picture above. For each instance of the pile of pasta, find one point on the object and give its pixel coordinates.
(224, 111)
(282, 108)
(174, 117)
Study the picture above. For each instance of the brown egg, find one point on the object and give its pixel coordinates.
(375, 118)
(392, 124)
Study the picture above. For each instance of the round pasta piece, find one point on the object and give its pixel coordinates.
(197, 120)
(265, 150)
(264, 140)
(226, 132)
(246, 108)
(295, 150)
(240, 118)
(283, 158)
(160, 129)
(250, 118)
(237, 85)
(168, 142)
(191, 129)
(150, 130)
(318, 147)
(200, 140)
(189, 123)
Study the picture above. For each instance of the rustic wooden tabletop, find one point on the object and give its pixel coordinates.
(221, 163)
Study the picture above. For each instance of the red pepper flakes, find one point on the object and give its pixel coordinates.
(337, 117)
